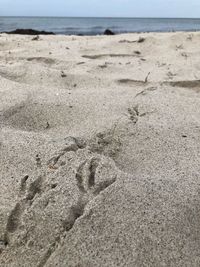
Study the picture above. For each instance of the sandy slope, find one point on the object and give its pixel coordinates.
(100, 151)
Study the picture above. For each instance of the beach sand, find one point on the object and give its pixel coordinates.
(100, 150)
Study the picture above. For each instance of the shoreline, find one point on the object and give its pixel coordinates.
(43, 32)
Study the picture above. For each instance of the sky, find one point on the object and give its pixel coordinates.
(101, 8)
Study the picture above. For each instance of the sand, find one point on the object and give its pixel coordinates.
(100, 150)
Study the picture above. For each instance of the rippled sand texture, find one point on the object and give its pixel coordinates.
(100, 150)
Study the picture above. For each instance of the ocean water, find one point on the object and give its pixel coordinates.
(93, 26)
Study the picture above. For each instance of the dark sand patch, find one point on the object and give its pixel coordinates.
(132, 82)
(193, 84)
(108, 55)
(45, 60)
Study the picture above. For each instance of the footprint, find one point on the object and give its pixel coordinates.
(145, 91)
(86, 177)
(71, 144)
(134, 114)
(14, 218)
(34, 188)
(107, 143)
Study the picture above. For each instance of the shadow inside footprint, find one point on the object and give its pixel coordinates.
(13, 219)
(45, 60)
(193, 84)
(108, 55)
(132, 82)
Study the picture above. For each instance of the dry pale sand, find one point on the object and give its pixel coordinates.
(100, 151)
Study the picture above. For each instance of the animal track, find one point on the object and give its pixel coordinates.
(134, 114)
(145, 91)
(86, 182)
(106, 143)
(171, 75)
(14, 217)
(94, 174)
(179, 47)
(86, 175)
(72, 144)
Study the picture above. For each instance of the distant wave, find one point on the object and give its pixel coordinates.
(93, 30)
(94, 26)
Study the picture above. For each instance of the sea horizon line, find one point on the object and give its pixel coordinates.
(98, 17)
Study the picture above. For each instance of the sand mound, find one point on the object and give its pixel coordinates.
(30, 116)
